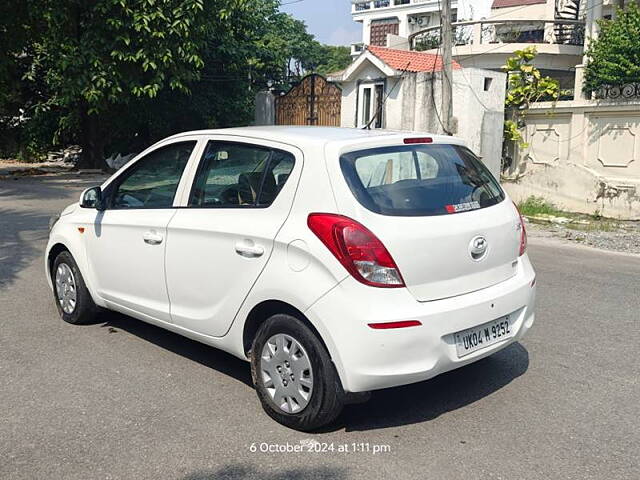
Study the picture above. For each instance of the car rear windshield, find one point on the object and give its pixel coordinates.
(420, 180)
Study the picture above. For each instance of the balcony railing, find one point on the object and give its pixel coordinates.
(495, 32)
(629, 91)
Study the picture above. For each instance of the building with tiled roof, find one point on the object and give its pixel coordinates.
(399, 89)
(410, 61)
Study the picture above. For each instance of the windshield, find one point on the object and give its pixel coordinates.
(420, 180)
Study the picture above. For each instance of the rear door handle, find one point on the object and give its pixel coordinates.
(249, 249)
(152, 238)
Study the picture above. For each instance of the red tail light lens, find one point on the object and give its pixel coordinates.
(523, 232)
(392, 325)
(357, 249)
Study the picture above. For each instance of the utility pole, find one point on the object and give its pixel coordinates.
(447, 71)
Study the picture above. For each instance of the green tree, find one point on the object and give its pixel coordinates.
(116, 75)
(332, 59)
(286, 51)
(98, 56)
(614, 57)
(16, 96)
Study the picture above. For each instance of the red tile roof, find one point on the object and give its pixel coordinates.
(515, 3)
(409, 60)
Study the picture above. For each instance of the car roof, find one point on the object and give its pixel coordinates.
(300, 135)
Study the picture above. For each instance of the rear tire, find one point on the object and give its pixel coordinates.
(295, 379)
(71, 295)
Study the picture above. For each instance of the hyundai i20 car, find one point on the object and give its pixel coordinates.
(335, 261)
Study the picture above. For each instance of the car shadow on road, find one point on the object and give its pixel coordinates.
(198, 352)
(416, 403)
(424, 401)
(246, 472)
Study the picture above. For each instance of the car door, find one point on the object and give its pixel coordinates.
(127, 241)
(221, 241)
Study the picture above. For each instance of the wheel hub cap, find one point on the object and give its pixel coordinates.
(66, 288)
(286, 373)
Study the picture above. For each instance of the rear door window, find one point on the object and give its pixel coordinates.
(420, 180)
(237, 175)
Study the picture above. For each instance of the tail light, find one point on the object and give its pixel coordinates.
(523, 233)
(357, 249)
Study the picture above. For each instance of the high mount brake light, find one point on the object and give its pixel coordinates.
(357, 249)
(411, 141)
(523, 233)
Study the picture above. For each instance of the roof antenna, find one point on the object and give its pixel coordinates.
(382, 104)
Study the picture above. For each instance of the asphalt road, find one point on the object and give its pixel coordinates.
(122, 399)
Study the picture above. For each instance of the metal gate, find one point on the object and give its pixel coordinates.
(314, 101)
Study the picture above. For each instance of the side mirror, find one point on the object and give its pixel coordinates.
(92, 198)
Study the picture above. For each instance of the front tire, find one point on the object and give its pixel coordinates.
(294, 376)
(72, 297)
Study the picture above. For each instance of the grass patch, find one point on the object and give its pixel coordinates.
(538, 206)
(534, 207)
(595, 226)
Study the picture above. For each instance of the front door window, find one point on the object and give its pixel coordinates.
(153, 180)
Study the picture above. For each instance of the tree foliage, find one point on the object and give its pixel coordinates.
(331, 59)
(116, 75)
(614, 57)
(525, 85)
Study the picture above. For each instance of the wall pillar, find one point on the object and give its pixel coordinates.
(477, 33)
(591, 30)
(578, 86)
(265, 109)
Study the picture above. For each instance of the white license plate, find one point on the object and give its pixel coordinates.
(482, 336)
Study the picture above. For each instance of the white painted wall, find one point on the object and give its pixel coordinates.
(583, 156)
(480, 113)
(349, 104)
(539, 11)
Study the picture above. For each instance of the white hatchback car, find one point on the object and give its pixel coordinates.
(336, 261)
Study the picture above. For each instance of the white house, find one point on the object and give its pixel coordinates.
(487, 32)
(402, 18)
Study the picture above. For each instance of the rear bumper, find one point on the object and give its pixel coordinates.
(368, 359)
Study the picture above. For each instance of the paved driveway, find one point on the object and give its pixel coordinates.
(122, 399)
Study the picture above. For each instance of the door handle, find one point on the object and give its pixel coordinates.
(152, 238)
(249, 249)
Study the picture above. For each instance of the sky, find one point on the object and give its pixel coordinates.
(329, 20)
